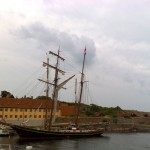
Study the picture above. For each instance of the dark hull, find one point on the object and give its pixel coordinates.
(4, 135)
(26, 132)
(34, 133)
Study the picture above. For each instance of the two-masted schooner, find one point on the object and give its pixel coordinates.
(48, 131)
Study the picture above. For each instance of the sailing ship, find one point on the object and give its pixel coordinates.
(48, 131)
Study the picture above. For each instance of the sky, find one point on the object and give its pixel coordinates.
(116, 35)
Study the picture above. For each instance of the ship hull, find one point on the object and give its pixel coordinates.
(4, 135)
(26, 132)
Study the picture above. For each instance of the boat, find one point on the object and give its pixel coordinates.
(48, 131)
(4, 133)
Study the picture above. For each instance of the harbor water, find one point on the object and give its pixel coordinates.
(113, 141)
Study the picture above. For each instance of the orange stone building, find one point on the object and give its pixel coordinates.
(31, 111)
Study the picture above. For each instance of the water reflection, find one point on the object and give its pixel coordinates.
(69, 144)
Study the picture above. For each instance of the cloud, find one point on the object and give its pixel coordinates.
(115, 33)
(122, 63)
(126, 20)
(45, 37)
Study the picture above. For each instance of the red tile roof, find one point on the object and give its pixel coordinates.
(24, 103)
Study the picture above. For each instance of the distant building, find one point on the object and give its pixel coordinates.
(31, 111)
(25, 110)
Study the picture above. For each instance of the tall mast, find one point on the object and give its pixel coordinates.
(57, 87)
(47, 89)
(47, 85)
(54, 92)
(81, 90)
(75, 92)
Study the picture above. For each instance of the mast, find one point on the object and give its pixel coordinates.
(57, 87)
(47, 76)
(75, 92)
(47, 92)
(81, 90)
(47, 89)
(47, 85)
(55, 95)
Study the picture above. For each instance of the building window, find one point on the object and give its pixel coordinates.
(5, 116)
(35, 116)
(1, 109)
(11, 109)
(26, 110)
(30, 116)
(15, 116)
(20, 116)
(25, 116)
(30, 110)
(39, 116)
(6, 109)
(16, 109)
(1, 116)
(10, 116)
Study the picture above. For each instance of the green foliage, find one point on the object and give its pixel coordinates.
(6, 94)
(112, 111)
(89, 113)
(95, 110)
(70, 104)
(43, 97)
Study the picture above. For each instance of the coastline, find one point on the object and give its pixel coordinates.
(112, 125)
(109, 124)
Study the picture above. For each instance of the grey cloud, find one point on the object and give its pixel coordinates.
(127, 62)
(121, 20)
(47, 37)
(120, 62)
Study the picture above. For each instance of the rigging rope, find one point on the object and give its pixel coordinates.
(18, 90)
